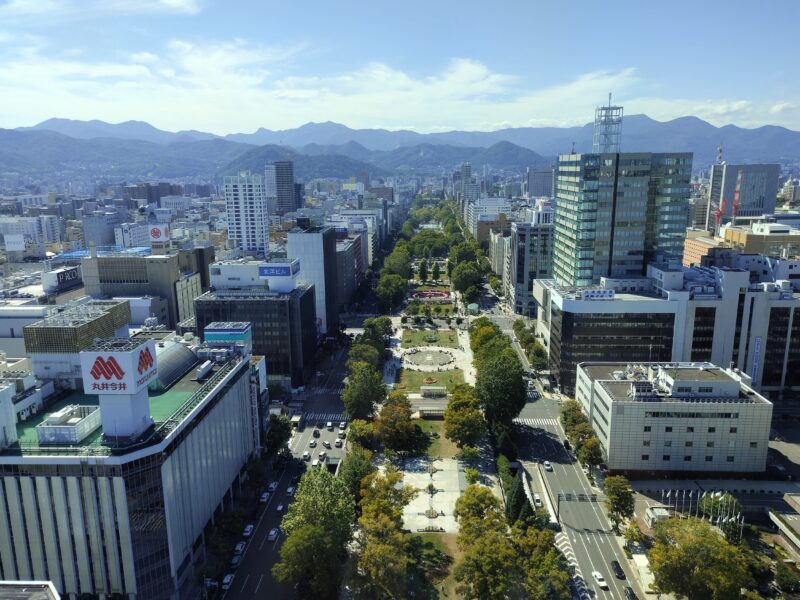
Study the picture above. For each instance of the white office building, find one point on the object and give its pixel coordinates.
(675, 417)
(247, 214)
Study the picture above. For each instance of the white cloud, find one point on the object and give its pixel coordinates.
(88, 9)
(226, 86)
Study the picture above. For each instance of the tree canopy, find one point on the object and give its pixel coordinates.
(363, 391)
(463, 420)
(620, 498)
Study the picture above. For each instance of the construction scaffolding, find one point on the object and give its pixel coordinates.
(607, 128)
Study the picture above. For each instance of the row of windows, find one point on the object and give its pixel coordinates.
(690, 444)
(687, 458)
(689, 415)
(668, 429)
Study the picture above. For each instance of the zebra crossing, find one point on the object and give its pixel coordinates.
(541, 423)
(579, 585)
(329, 389)
(336, 418)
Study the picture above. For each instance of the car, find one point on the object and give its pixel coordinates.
(322, 456)
(295, 479)
(630, 594)
(314, 463)
(319, 425)
(548, 466)
(306, 455)
(342, 424)
(272, 486)
(239, 548)
(279, 508)
(248, 531)
(329, 426)
(264, 498)
(236, 561)
(316, 433)
(617, 568)
(537, 501)
(338, 443)
(272, 535)
(312, 443)
(341, 434)
(227, 581)
(566, 444)
(290, 490)
(601, 583)
(327, 444)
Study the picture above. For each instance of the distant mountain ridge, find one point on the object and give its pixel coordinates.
(639, 133)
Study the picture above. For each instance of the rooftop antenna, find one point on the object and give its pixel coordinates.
(607, 128)
(719, 154)
(573, 148)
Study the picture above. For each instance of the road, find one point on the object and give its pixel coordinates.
(253, 580)
(585, 538)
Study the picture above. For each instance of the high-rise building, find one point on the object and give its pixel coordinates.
(539, 183)
(607, 128)
(285, 193)
(271, 188)
(531, 257)
(758, 189)
(617, 213)
(315, 247)
(247, 212)
(111, 490)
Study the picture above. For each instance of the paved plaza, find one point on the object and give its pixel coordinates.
(448, 480)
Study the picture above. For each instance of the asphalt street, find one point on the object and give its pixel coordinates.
(253, 579)
(585, 538)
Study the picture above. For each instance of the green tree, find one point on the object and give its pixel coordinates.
(378, 328)
(580, 433)
(325, 501)
(500, 387)
(436, 271)
(462, 253)
(363, 391)
(787, 578)
(390, 291)
(279, 432)
(463, 419)
(464, 276)
(515, 499)
(423, 270)
(472, 475)
(538, 357)
(489, 568)
(310, 561)
(395, 428)
(545, 571)
(591, 452)
(620, 499)
(363, 353)
(398, 263)
(356, 465)
(361, 433)
(715, 505)
(478, 510)
(690, 559)
(633, 535)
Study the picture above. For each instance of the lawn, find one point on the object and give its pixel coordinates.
(440, 446)
(441, 337)
(416, 307)
(410, 381)
(430, 287)
(439, 556)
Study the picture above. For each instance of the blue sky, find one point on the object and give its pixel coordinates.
(429, 66)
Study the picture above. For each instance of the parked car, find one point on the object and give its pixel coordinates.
(306, 455)
(295, 479)
(327, 444)
(312, 444)
(537, 501)
(273, 485)
(227, 581)
(630, 594)
(236, 561)
(322, 455)
(617, 568)
(548, 466)
(264, 498)
(248, 531)
(239, 548)
(566, 444)
(601, 583)
(338, 443)
(290, 490)
(343, 425)
(279, 508)
(329, 426)
(341, 434)
(316, 433)
(272, 535)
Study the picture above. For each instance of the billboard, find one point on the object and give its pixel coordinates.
(159, 232)
(278, 269)
(119, 373)
(15, 242)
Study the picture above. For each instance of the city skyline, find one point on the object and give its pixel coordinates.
(426, 68)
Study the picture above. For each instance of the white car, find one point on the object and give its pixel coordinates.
(327, 444)
(338, 443)
(227, 581)
(537, 501)
(343, 425)
(290, 490)
(248, 531)
(272, 486)
(601, 583)
(322, 455)
(306, 455)
(264, 498)
(329, 425)
(548, 466)
(272, 535)
(279, 508)
(312, 443)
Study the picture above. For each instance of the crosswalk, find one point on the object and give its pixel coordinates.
(579, 585)
(336, 418)
(541, 423)
(329, 389)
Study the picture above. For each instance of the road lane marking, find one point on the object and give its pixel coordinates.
(246, 579)
(258, 585)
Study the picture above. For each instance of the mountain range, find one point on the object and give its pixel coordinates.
(137, 149)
